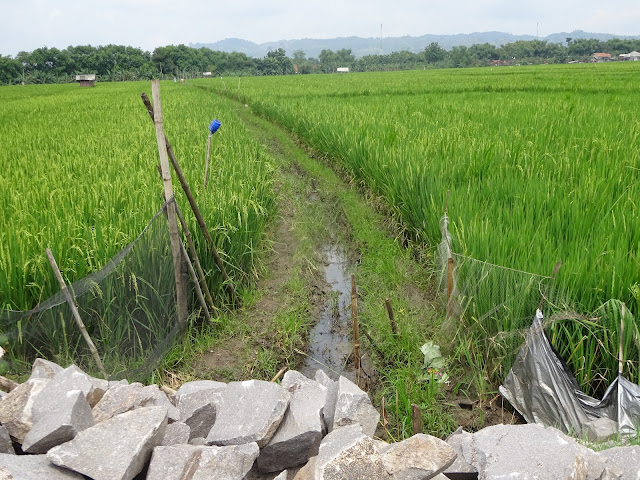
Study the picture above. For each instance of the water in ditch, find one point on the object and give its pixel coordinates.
(329, 343)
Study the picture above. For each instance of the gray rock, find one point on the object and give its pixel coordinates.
(282, 476)
(124, 398)
(624, 461)
(197, 385)
(202, 462)
(353, 406)
(33, 467)
(42, 368)
(71, 378)
(6, 445)
(197, 408)
(116, 449)
(177, 433)
(249, 411)
(532, 452)
(302, 428)
(60, 424)
(332, 397)
(117, 383)
(198, 441)
(16, 408)
(600, 429)
(417, 458)
(348, 453)
(307, 470)
(468, 457)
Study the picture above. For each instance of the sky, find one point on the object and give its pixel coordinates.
(29, 24)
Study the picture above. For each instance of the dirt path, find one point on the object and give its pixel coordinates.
(322, 233)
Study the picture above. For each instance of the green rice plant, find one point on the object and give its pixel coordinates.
(542, 164)
(85, 184)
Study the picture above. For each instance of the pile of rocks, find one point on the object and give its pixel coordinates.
(64, 424)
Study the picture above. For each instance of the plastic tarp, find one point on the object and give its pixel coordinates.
(541, 387)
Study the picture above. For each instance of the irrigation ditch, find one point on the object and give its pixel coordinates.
(299, 316)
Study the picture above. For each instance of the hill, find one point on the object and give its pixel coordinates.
(372, 45)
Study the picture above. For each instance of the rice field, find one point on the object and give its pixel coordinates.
(542, 164)
(79, 175)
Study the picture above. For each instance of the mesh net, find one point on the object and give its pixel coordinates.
(128, 308)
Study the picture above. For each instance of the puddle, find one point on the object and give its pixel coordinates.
(329, 343)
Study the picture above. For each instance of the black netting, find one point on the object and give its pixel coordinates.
(128, 307)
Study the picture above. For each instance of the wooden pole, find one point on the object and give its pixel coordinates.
(394, 327)
(196, 284)
(383, 408)
(176, 251)
(196, 211)
(206, 168)
(556, 269)
(416, 419)
(196, 260)
(76, 314)
(279, 374)
(620, 357)
(356, 327)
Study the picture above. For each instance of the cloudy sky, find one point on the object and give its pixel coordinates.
(29, 24)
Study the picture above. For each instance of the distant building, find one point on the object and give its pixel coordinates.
(601, 57)
(207, 74)
(87, 80)
(342, 69)
(631, 56)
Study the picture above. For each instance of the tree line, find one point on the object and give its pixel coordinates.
(121, 63)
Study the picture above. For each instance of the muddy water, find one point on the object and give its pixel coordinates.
(329, 344)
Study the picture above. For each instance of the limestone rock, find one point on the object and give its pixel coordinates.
(282, 476)
(179, 462)
(601, 429)
(531, 452)
(302, 428)
(197, 385)
(332, 397)
(33, 467)
(419, 457)
(197, 408)
(348, 453)
(624, 461)
(353, 406)
(467, 456)
(249, 411)
(61, 423)
(16, 408)
(130, 438)
(6, 445)
(42, 368)
(124, 398)
(70, 378)
(177, 433)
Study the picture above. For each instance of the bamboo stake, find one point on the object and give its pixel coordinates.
(556, 269)
(196, 211)
(450, 266)
(394, 327)
(356, 327)
(397, 415)
(171, 206)
(194, 279)
(416, 419)
(383, 408)
(76, 314)
(206, 168)
(279, 374)
(196, 260)
(620, 357)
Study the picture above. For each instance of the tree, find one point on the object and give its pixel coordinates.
(10, 70)
(434, 53)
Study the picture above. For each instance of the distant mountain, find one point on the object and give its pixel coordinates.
(370, 46)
